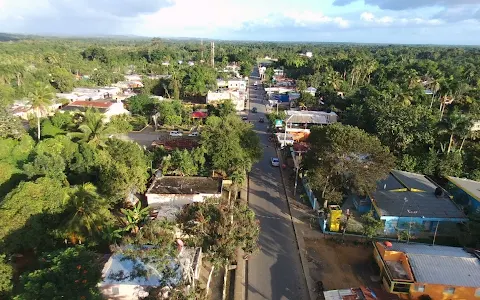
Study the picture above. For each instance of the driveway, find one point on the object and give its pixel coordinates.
(275, 271)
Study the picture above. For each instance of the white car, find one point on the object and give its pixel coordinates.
(194, 134)
(176, 133)
(256, 83)
(275, 162)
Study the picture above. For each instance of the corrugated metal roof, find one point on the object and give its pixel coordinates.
(469, 186)
(441, 264)
(447, 270)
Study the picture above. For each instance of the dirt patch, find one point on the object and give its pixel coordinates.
(340, 265)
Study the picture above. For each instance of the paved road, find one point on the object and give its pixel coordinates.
(275, 271)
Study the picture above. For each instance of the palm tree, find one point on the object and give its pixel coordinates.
(93, 129)
(40, 99)
(87, 213)
(458, 124)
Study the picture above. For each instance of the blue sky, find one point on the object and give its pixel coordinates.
(361, 21)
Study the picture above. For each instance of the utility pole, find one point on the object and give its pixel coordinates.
(213, 54)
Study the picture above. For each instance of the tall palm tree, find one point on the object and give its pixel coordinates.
(40, 99)
(457, 124)
(93, 129)
(87, 213)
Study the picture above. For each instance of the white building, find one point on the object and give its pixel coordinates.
(308, 54)
(90, 93)
(107, 108)
(237, 98)
(278, 72)
(234, 83)
(23, 109)
(311, 91)
(182, 190)
(120, 278)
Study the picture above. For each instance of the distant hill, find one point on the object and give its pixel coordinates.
(6, 37)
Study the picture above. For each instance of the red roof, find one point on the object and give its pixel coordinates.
(96, 104)
(199, 115)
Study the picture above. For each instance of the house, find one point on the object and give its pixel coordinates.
(23, 109)
(199, 115)
(121, 278)
(409, 201)
(311, 90)
(236, 96)
(90, 93)
(466, 192)
(364, 293)
(107, 108)
(441, 272)
(182, 190)
(299, 122)
(232, 83)
(278, 72)
(308, 54)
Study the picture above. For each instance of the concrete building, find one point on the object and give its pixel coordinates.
(233, 83)
(121, 278)
(236, 96)
(299, 122)
(23, 109)
(411, 202)
(89, 94)
(107, 108)
(182, 190)
(441, 272)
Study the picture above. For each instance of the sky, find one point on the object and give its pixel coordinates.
(361, 21)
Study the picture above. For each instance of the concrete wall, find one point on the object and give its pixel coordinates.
(175, 199)
(436, 291)
(122, 291)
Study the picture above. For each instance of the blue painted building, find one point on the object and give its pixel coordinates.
(466, 192)
(409, 201)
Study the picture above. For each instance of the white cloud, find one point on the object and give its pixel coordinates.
(370, 18)
(309, 18)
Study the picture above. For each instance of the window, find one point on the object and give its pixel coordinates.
(401, 287)
(449, 290)
(419, 288)
(477, 293)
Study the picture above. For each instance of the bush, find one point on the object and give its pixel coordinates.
(138, 122)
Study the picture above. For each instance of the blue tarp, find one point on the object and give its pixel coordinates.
(281, 97)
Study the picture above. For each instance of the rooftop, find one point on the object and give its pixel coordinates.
(405, 194)
(185, 185)
(441, 264)
(94, 104)
(471, 187)
(311, 117)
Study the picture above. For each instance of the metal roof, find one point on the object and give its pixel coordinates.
(405, 194)
(471, 187)
(441, 264)
(311, 117)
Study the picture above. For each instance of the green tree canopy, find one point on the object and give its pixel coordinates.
(350, 159)
(65, 274)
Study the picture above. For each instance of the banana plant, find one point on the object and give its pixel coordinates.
(134, 217)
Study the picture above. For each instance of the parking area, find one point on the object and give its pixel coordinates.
(340, 265)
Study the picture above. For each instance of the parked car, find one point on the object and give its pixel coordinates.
(244, 118)
(275, 162)
(255, 83)
(261, 120)
(254, 110)
(194, 134)
(176, 133)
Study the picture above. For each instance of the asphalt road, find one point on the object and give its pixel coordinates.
(275, 271)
